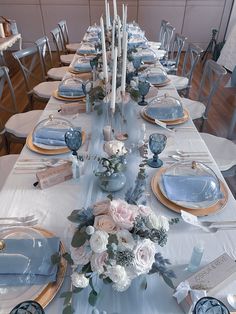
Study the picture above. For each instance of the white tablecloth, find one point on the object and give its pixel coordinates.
(53, 205)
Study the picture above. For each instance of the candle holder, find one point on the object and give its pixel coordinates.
(143, 87)
(122, 135)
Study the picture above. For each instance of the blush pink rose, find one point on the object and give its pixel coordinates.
(82, 254)
(98, 262)
(101, 208)
(144, 210)
(123, 214)
(105, 223)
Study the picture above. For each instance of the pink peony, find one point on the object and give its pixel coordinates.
(101, 208)
(105, 223)
(123, 214)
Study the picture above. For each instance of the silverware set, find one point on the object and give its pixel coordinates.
(34, 165)
(29, 221)
(179, 155)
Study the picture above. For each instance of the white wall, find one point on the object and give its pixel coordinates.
(193, 18)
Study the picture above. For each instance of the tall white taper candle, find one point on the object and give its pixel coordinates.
(119, 37)
(104, 54)
(113, 90)
(123, 77)
(115, 9)
(113, 39)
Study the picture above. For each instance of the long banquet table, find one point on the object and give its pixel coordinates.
(52, 206)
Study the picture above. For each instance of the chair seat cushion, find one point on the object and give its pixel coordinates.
(67, 59)
(57, 74)
(222, 150)
(195, 108)
(7, 162)
(45, 89)
(180, 82)
(73, 47)
(21, 124)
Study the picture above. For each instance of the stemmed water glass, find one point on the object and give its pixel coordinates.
(157, 143)
(73, 139)
(143, 87)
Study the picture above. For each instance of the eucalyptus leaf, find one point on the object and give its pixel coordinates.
(143, 284)
(55, 258)
(68, 310)
(77, 290)
(107, 281)
(93, 296)
(68, 258)
(168, 281)
(79, 238)
(74, 216)
(110, 197)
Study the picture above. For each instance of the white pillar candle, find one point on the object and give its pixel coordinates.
(115, 9)
(124, 64)
(119, 38)
(106, 11)
(113, 90)
(104, 53)
(113, 39)
(109, 16)
(107, 133)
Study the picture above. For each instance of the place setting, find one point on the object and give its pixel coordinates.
(70, 89)
(27, 268)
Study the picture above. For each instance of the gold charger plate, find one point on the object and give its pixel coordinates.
(168, 122)
(72, 70)
(176, 208)
(44, 151)
(59, 97)
(162, 84)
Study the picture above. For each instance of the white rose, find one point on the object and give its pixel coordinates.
(79, 280)
(133, 84)
(144, 254)
(117, 273)
(125, 239)
(99, 241)
(122, 285)
(158, 222)
(115, 148)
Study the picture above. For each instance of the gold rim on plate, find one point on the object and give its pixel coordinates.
(167, 81)
(177, 208)
(44, 151)
(59, 97)
(169, 122)
(50, 291)
(74, 71)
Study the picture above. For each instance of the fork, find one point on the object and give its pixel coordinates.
(19, 219)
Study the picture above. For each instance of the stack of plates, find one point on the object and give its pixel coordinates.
(198, 209)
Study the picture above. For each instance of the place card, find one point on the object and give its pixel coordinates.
(54, 175)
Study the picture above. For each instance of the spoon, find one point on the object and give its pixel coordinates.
(231, 298)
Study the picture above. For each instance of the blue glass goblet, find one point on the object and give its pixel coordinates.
(210, 305)
(157, 143)
(73, 139)
(143, 87)
(137, 61)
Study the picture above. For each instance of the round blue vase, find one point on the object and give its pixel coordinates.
(112, 183)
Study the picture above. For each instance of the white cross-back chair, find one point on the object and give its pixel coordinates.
(30, 66)
(19, 125)
(50, 72)
(65, 59)
(70, 47)
(183, 82)
(212, 76)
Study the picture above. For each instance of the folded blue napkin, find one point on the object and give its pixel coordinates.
(28, 261)
(191, 188)
(147, 56)
(70, 89)
(82, 66)
(50, 136)
(165, 113)
(87, 49)
(136, 42)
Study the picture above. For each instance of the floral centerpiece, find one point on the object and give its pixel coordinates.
(117, 242)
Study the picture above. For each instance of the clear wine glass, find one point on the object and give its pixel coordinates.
(157, 143)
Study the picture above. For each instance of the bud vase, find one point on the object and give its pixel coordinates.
(112, 183)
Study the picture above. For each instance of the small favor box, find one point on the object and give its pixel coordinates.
(54, 175)
(73, 108)
(206, 282)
